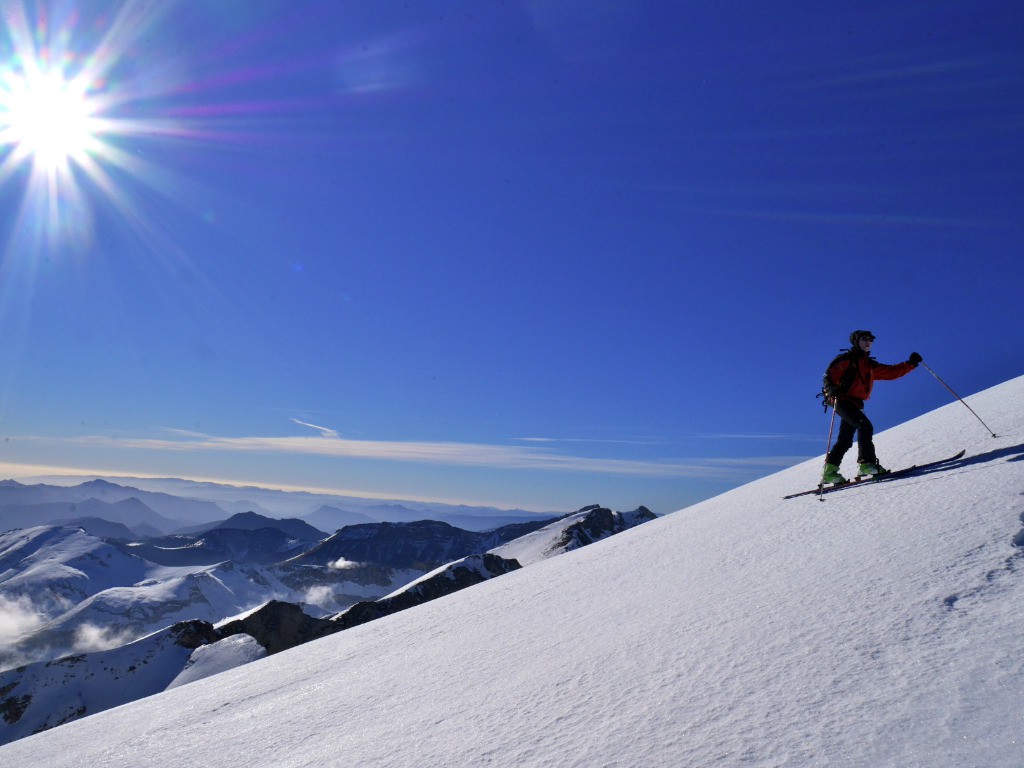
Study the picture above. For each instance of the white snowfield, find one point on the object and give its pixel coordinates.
(880, 627)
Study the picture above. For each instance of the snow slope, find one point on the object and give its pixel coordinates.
(212, 659)
(881, 627)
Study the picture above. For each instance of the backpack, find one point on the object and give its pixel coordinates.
(831, 391)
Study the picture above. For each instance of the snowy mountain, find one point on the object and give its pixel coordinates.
(44, 694)
(118, 615)
(263, 545)
(422, 545)
(155, 600)
(880, 627)
(571, 532)
(49, 693)
(63, 591)
(55, 567)
(209, 594)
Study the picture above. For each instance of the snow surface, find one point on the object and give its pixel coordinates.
(880, 627)
(207, 660)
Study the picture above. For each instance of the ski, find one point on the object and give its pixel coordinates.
(862, 480)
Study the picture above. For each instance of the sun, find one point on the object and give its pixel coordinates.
(93, 101)
(60, 129)
(48, 119)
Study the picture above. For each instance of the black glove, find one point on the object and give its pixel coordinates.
(915, 359)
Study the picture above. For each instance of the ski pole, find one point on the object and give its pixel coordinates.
(933, 373)
(828, 444)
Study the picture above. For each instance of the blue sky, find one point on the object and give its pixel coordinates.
(529, 254)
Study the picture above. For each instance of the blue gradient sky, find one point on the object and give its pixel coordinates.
(523, 253)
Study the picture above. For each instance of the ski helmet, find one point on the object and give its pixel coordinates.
(856, 336)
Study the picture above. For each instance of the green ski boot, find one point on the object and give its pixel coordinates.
(831, 475)
(871, 469)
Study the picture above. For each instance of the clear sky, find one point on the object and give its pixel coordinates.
(532, 253)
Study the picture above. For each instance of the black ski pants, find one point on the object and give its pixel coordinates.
(853, 421)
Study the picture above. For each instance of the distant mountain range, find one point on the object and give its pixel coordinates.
(27, 505)
(132, 612)
(158, 507)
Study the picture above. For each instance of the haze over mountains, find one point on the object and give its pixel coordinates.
(880, 627)
(165, 506)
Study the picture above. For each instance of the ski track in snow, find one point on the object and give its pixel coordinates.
(881, 627)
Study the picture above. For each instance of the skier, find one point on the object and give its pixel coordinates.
(852, 375)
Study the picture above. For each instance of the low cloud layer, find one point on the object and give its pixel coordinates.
(91, 637)
(341, 564)
(18, 617)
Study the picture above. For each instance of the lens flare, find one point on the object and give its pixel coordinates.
(87, 90)
(63, 113)
(48, 119)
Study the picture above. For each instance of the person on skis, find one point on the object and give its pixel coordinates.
(852, 376)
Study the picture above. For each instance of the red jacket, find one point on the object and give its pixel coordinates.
(867, 370)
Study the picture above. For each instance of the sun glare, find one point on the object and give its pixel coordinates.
(89, 96)
(47, 119)
(68, 111)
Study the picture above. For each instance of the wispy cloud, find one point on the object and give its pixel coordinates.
(539, 455)
(325, 431)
